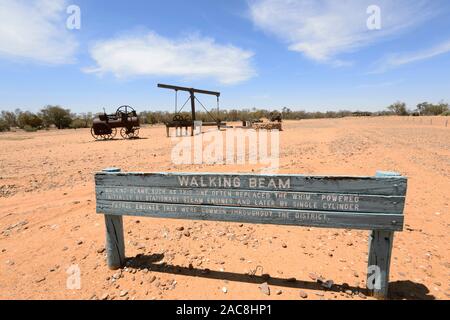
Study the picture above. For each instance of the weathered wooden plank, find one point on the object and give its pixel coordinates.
(258, 199)
(389, 186)
(364, 221)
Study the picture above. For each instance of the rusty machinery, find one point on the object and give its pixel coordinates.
(105, 126)
(185, 122)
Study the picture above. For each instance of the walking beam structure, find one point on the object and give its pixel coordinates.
(192, 92)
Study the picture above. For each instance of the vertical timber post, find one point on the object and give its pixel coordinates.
(379, 260)
(193, 111)
(115, 244)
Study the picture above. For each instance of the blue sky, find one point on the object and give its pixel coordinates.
(306, 55)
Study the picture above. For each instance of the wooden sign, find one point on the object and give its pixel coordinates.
(333, 202)
(367, 203)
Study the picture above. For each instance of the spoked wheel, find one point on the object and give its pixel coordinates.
(100, 137)
(132, 133)
(112, 135)
(124, 110)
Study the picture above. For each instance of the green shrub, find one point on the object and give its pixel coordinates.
(29, 128)
(3, 125)
(78, 124)
(446, 113)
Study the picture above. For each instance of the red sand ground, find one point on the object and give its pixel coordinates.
(48, 220)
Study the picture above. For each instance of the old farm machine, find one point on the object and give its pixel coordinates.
(179, 121)
(105, 126)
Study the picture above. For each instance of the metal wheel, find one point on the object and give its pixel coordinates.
(112, 135)
(129, 133)
(96, 137)
(104, 136)
(124, 110)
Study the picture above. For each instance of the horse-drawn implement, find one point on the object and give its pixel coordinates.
(105, 126)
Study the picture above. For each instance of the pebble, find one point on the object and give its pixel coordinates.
(224, 290)
(303, 294)
(187, 233)
(40, 280)
(180, 229)
(101, 250)
(265, 289)
(80, 242)
(313, 276)
(279, 292)
(104, 296)
(284, 245)
(123, 293)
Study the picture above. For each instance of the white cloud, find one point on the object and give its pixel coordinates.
(397, 60)
(35, 31)
(150, 54)
(323, 29)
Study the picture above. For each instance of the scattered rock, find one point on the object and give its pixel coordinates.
(265, 289)
(80, 242)
(187, 233)
(123, 293)
(104, 296)
(313, 276)
(39, 280)
(319, 294)
(180, 228)
(291, 280)
(152, 279)
(279, 292)
(284, 245)
(303, 294)
(101, 250)
(224, 290)
(362, 295)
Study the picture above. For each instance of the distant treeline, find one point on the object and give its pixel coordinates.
(62, 118)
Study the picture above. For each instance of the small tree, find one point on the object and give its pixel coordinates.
(399, 108)
(3, 125)
(29, 119)
(57, 116)
(10, 118)
(429, 109)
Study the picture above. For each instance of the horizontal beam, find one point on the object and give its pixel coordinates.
(384, 186)
(252, 198)
(337, 220)
(191, 90)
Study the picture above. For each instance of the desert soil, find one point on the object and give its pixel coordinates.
(49, 227)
